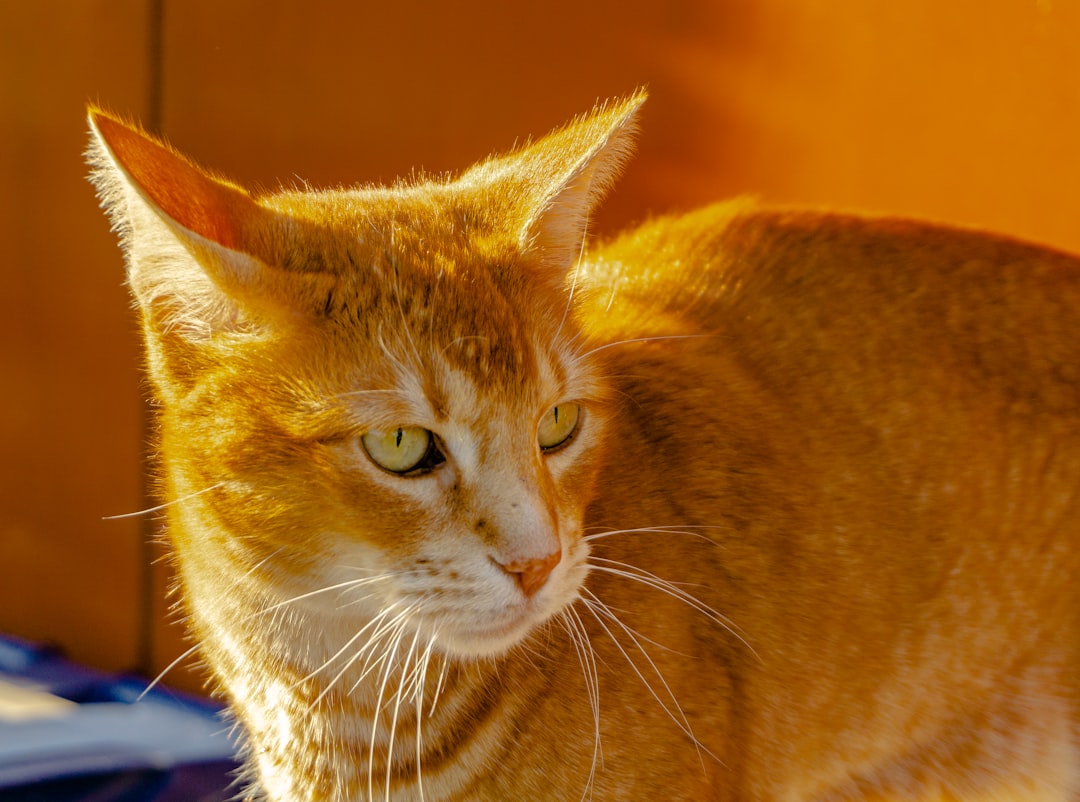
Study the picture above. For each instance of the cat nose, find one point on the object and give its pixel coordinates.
(532, 574)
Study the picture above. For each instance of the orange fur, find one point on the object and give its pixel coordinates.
(814, 536)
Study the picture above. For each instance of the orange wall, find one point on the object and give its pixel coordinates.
(965, 111)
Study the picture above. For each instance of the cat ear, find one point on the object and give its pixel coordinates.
(191, 240)
(561, 178)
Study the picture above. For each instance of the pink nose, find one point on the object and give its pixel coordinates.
(532, 574)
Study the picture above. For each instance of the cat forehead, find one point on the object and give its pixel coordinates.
(458, 399)
(468, 376)
(431, 216)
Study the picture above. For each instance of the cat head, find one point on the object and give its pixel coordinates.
(376, 401)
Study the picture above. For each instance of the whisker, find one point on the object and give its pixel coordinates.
(383, 680)
(600, 611)
(393, 627)
(649, 579)
(456, 340)
(330, 660)
(438, 686)
(381, 627)
(164, 506)
(408, 332)
(350, 583)
(587, 659)
(161, 675)
(611, 296)
(401, 690)
(658, 338)
(418, 707)
(574, 278)
(418, 699)
(352, 393)
(658, 530)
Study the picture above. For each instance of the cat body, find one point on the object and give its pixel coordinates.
(745, 504)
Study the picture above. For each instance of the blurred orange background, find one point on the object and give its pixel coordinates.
(966, 112)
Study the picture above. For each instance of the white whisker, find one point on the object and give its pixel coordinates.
(649, 579)
(166, 505)
(349, 584)
(352, 393)
(574, 278)
(383, 680)
(403, 686)
(161, 675)
(329, 661)
(456, 340)
(658, 530)
(587, 659)
(438, 687)
(658, 338)
(600, 611)
(393, 627)
(418, 699)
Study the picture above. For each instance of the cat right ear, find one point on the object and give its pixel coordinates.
(189, 238)
(554, 184)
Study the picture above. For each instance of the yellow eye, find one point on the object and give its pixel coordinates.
(403, 450)
(558, 425)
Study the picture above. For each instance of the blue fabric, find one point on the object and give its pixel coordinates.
(95, 740)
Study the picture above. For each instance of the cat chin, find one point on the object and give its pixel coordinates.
(495, 639)
(479, 645)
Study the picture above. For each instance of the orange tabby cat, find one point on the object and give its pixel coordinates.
(742, 505)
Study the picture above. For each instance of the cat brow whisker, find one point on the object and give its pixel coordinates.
(456, 340)
(408, 332)
(658, 338)
(166, 505)
(351, 393)
(574, 278)
(611, 296)
(397, 364)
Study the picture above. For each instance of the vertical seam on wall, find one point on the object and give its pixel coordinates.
(155, 46)
(155, 35)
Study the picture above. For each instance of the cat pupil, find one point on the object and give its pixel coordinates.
(397, 441)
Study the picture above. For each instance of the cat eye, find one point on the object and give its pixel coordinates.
(558, 426)
(404, 450)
